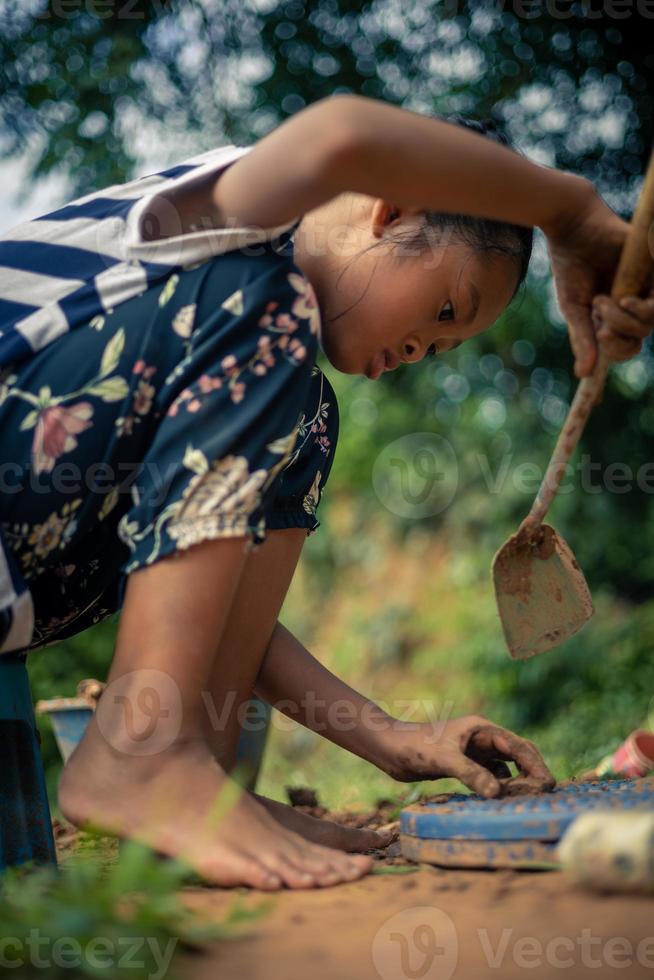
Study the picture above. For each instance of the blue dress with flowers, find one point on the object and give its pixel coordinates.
(190, 412)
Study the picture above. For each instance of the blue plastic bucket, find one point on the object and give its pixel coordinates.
(70, 717)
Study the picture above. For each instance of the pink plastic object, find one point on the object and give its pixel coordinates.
(634, 758)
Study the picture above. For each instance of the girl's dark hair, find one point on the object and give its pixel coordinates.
(481, 234)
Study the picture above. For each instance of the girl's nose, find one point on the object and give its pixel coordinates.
(412, 350)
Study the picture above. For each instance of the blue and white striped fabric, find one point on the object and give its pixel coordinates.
(61, 270)
(64, 268)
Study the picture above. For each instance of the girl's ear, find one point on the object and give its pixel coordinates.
(383, 213)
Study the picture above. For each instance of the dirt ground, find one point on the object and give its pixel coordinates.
(419, 922)
(434, 924)
(428, 923)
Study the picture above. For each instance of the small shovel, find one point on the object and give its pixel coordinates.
(542, 595)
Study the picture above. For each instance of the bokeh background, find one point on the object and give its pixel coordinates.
(97, 91)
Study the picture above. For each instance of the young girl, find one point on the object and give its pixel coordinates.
(161, 413)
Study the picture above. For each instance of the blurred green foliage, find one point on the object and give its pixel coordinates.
(119, 918)
(570, 78)
(91, 92)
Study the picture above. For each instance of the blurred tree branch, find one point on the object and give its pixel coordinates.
(77, 75)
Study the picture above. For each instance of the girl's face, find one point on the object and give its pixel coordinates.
(383, 307)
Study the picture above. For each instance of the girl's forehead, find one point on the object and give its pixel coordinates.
(465, 274)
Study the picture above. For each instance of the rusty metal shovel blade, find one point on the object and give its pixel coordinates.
(542, 595)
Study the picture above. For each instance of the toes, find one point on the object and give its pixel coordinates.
(359, 865)
(305, 870)
(326, 865)
(349, 869)
(287, 860)
(373, 839)
(257, 875)
(341, 866)
(300, 864)
(292, 875)
(241, 869)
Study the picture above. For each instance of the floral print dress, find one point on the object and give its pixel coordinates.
(191, 412)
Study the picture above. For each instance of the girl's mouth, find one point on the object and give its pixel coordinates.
(386, 360)
(377, 366)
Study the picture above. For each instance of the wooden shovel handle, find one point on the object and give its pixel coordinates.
(633, 276)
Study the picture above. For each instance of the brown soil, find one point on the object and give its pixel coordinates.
(418, 922)
(430, 923)
(66, 837)
(448, 924)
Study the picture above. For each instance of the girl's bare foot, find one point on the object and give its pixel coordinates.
(181, 803)
(325, 832)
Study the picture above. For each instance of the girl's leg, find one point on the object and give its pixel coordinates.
(252, 618)
(262, 588)
(144, 768)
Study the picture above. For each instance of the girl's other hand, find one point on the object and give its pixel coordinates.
(621, 327)
(471, 749)
(585, 250)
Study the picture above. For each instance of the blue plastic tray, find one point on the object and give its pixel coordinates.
(541, 817)
(529, 854)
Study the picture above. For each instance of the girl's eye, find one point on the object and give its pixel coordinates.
(447, 313)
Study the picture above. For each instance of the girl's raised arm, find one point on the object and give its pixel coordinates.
(352, 143)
